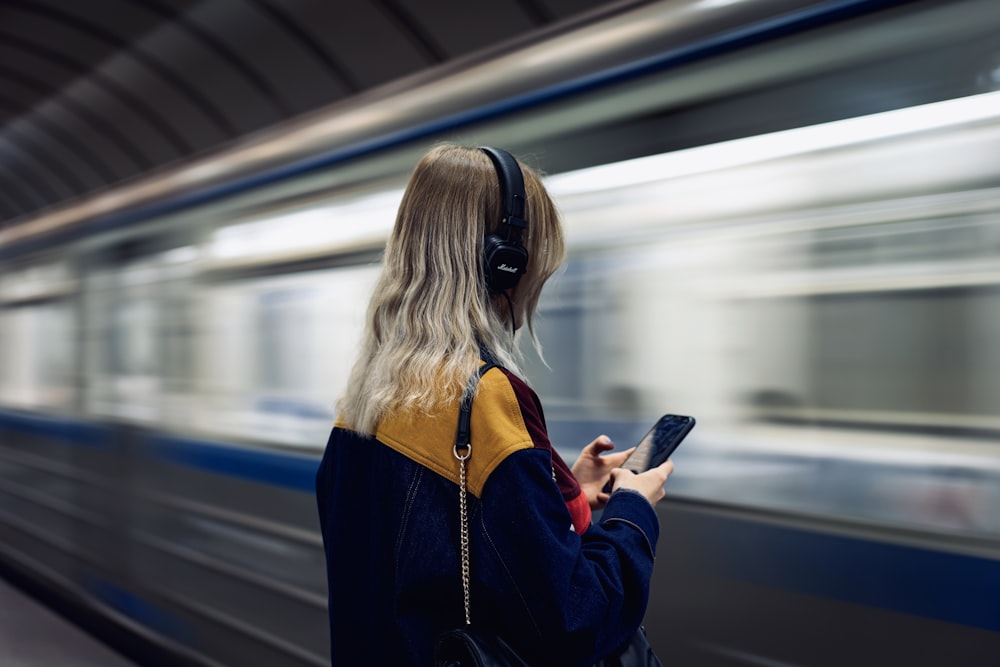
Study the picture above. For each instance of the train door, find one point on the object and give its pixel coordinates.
(40, 442)
(138, 332)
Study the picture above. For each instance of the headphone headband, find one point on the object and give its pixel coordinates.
(505, 258)
(511, 189)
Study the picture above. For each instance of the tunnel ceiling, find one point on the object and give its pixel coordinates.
(97, 92)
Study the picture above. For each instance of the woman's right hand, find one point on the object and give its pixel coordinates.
(649, 483)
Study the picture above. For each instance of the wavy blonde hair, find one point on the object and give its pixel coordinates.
(431, 308)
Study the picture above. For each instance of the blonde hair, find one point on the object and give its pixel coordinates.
(430, 309)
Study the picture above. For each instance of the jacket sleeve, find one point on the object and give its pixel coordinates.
(559, 597)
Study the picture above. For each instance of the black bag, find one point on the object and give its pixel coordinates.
(636, 653)
(467, 647)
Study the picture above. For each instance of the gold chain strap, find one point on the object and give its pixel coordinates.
(464, 539)
(463, 450)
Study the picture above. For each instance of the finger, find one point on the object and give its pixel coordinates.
(601, 443)
(666, 468)
(603, 498)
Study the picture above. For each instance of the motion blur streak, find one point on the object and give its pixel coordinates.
(798, 243)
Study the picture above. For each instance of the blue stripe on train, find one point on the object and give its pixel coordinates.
(292, 471)
(55, 428)
(950, 587)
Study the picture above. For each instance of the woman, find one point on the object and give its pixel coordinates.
(462, 271)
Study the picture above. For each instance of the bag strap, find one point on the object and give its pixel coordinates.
(462, 451)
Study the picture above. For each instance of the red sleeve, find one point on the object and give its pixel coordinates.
(534, 420)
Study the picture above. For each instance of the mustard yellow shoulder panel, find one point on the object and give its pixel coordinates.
(498, 430)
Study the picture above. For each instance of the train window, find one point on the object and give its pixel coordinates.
(907, 353)
(37, 336)
(36, 355)
(131, 343)
(284, 347)
(138, 344)
(899, 360)
(275, 353)
(178, 339)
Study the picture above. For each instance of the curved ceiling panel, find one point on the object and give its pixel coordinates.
(94, 93)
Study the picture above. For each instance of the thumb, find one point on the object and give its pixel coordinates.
(618, 458)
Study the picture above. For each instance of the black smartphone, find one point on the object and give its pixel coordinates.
(659, 443)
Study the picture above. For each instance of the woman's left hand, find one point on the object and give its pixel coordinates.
(593, 471)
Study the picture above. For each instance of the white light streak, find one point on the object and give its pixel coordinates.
(749, 150)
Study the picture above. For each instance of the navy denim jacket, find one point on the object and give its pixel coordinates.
(388, 507)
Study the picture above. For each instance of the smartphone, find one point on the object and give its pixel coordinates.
(659, 443)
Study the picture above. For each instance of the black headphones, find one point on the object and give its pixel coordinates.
(504, 257)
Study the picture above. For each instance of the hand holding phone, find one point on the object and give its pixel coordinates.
(658, 444)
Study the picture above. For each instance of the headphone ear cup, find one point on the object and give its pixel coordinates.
(503, 263)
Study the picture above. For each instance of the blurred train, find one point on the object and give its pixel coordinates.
(784, 219)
